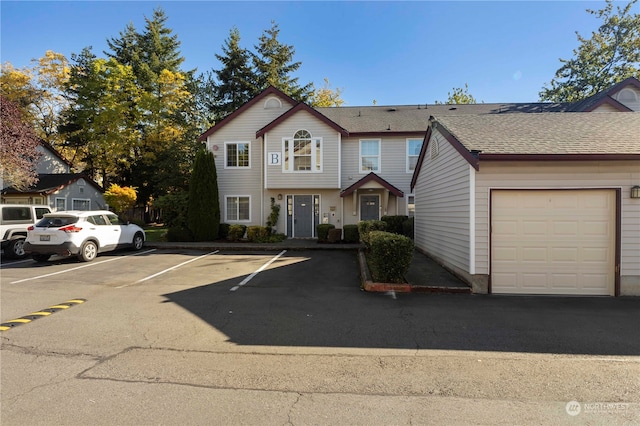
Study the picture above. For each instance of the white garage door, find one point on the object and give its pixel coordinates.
(553, 242)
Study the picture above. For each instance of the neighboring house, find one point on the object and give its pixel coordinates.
(533, 203)
(57, 187)
(344, 164)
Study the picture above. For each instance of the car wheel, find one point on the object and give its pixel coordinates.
(88, 252)
(138, 241)
(15, 249)
(41, 257)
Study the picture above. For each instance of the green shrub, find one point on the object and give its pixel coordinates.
(367, 226)
(335, 235)
(179, 234)
(394, 223)
(276, 238)
(351, 234)
(203, 214)
(323, 231)
(223, 230)
(407, 228)
(174, 208)
(389, 256)
(236, 232)
(258, 234)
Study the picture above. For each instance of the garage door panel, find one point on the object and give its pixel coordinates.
(553, 242)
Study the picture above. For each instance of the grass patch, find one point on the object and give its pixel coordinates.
(155, 233)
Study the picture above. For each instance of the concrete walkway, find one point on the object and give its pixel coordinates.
(424, 275)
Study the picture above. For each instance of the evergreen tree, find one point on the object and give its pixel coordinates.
(608, 57)
(169, 127)
(203, 216)
(273, 65)
(236, 80)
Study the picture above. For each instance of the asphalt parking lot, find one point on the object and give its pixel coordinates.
(295, 327)
(300, 298)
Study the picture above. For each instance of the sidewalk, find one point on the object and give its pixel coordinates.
(424, 275)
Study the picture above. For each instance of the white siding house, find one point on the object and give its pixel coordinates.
(346, 164)
(549, 207)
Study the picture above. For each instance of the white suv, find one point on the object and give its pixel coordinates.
(14, 221)
(81, 233)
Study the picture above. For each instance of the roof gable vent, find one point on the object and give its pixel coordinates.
(273, 103)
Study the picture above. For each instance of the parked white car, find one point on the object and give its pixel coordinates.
(81, 233)
(14, 221)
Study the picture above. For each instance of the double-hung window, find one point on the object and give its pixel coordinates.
(369, 155)
(413, 152)
(236, 155)
(237, 208)
(302, 153)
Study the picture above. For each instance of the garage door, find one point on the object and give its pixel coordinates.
(553, 242)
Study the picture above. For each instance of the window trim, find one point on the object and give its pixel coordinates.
(73, 200)
(226, 211)
(379, 156)
(408, 154)
(64, 202)
(227, 143)
(317, 164)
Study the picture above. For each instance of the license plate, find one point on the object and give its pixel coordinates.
(45, 237)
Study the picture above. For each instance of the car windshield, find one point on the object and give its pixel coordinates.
(56, 221)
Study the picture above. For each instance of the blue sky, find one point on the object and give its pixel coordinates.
(391, 52)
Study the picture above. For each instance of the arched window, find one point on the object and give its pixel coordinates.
(302, 153)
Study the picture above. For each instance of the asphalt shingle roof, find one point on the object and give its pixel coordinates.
(415, 118)
(547, 133)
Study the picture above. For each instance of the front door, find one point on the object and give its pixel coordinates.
(369, 207)
(302, 216)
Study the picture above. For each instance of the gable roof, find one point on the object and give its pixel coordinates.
(546, 134)
(301, 106)
(46, 145)
(605, 97)
(266, 92)
(539, 137)
(372, 177)
(49, 183)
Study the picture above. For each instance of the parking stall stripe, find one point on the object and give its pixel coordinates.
(8, 325)
(168, 269)
(262, 268)
(80, 267)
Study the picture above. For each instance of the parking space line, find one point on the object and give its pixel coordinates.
(168, 269)
(262, 268)
(80, 267)
(14, 263)
(8, 325)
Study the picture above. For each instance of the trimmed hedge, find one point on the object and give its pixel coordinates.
(236, 232)
(323, 231)
(258, 234)
(179, 234)
(394, 223)
(224, 230)
(351, 234)
(367, 226)
(389, 256)
(407, 228)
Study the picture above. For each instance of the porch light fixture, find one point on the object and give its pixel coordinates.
(279, 197)
(635, 191)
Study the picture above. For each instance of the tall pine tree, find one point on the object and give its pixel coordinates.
(273, 62)
(237, 81)
(169, 129)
